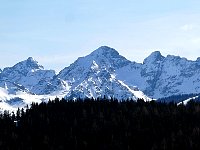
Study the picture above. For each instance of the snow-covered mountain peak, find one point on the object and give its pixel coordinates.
(100, 59)
(154, 57)
(95, 76)
(26, 76)
(31, 60)
(107, 57)
(105, 51)
(33, 64)
(29, 65)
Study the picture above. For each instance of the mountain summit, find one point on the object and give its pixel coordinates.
(105, 51)
(24, 67)
(154, 57)
(106, 57)
(32, 63)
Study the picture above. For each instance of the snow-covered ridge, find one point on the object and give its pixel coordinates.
(103, 72)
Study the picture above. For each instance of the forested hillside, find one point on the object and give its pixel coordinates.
(102, 125)
(180, 98)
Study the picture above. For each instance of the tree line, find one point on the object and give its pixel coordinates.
(179, 98)
(102, 124)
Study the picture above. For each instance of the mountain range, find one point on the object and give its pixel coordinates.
(104, 72)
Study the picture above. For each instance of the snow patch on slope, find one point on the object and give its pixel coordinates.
(187, 100)
(136, 92)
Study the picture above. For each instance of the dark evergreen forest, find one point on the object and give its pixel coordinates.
(102, 125)
(179, 98)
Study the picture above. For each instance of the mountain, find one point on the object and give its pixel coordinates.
(104, 72)
(25, 76)
(160, 76)
(95, 76)
(171, 75)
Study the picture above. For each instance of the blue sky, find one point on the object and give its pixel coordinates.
(57, 32)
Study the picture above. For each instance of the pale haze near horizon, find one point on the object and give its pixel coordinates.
(56, 33)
